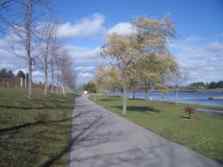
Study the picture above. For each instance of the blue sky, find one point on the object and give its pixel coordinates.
(198, 46)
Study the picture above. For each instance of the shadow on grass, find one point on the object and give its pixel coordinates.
(36, 123)
(43, 135)
(140, 109)
(33, 137)
(108, 100)
(35, 107)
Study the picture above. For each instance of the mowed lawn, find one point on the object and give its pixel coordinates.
(34, 131)
(203, 133)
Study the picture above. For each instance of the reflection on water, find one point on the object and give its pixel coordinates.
(196, 97)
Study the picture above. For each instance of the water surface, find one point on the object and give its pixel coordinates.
(195, 97)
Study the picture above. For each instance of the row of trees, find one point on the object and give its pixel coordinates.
(10, 80)
(4, 73)
(33, 37)
(140, 58)
(202, 85)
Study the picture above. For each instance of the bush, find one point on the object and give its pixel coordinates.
(189, 111)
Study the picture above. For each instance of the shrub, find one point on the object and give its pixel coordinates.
(188, 110)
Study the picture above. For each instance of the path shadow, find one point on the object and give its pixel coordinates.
(83, 133)
(220, 161)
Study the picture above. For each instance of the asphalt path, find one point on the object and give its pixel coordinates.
(104, 139)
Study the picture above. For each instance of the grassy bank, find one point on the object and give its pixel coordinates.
(202, 133)
(34, 131)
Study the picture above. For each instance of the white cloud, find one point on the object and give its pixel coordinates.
(85, 77)
(83, 53)
(216, 46)
(85, 68)
(85, 60)
(9, 52)
(200, 58)
(123, 28)
(88, 26)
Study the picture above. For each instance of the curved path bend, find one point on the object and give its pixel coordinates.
(103, 139)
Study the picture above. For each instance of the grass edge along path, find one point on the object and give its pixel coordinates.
(202, 133)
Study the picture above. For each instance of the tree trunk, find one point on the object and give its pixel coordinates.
(21, 82)
(46, 79)
(63, 90)
(25, 84)
(46, 70)
(176, 95)
(124, 100)
(133, 94)
(146, 94)
(30, 76)
(28, 28)
(146, 91)
(52, 76)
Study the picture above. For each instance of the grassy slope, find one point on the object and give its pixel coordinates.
(38, 142)
(203, 133)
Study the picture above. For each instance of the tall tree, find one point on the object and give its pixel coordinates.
(28, 40)
(121, 49)
(47, 52)
(64, 70)
(151, 38)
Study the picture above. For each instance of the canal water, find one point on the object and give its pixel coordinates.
(192, 97)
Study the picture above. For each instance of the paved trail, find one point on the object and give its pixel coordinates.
(103, 139)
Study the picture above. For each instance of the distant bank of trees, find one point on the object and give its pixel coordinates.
(90, 87)
(10, 80)
(203, 85)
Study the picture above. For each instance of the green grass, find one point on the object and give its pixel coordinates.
(28, 137)
(203, 133)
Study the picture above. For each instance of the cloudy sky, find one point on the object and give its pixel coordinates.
(198, 46)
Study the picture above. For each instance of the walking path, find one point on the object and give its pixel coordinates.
(103, 139)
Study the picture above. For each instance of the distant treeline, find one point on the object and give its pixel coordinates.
(8, 74)
(203, 85)
(10, 80)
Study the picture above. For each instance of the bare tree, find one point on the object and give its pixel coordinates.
(67, 72)
(48, 36)
(63, 69)
(22, 19)
(52, 64)
(28, 40)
